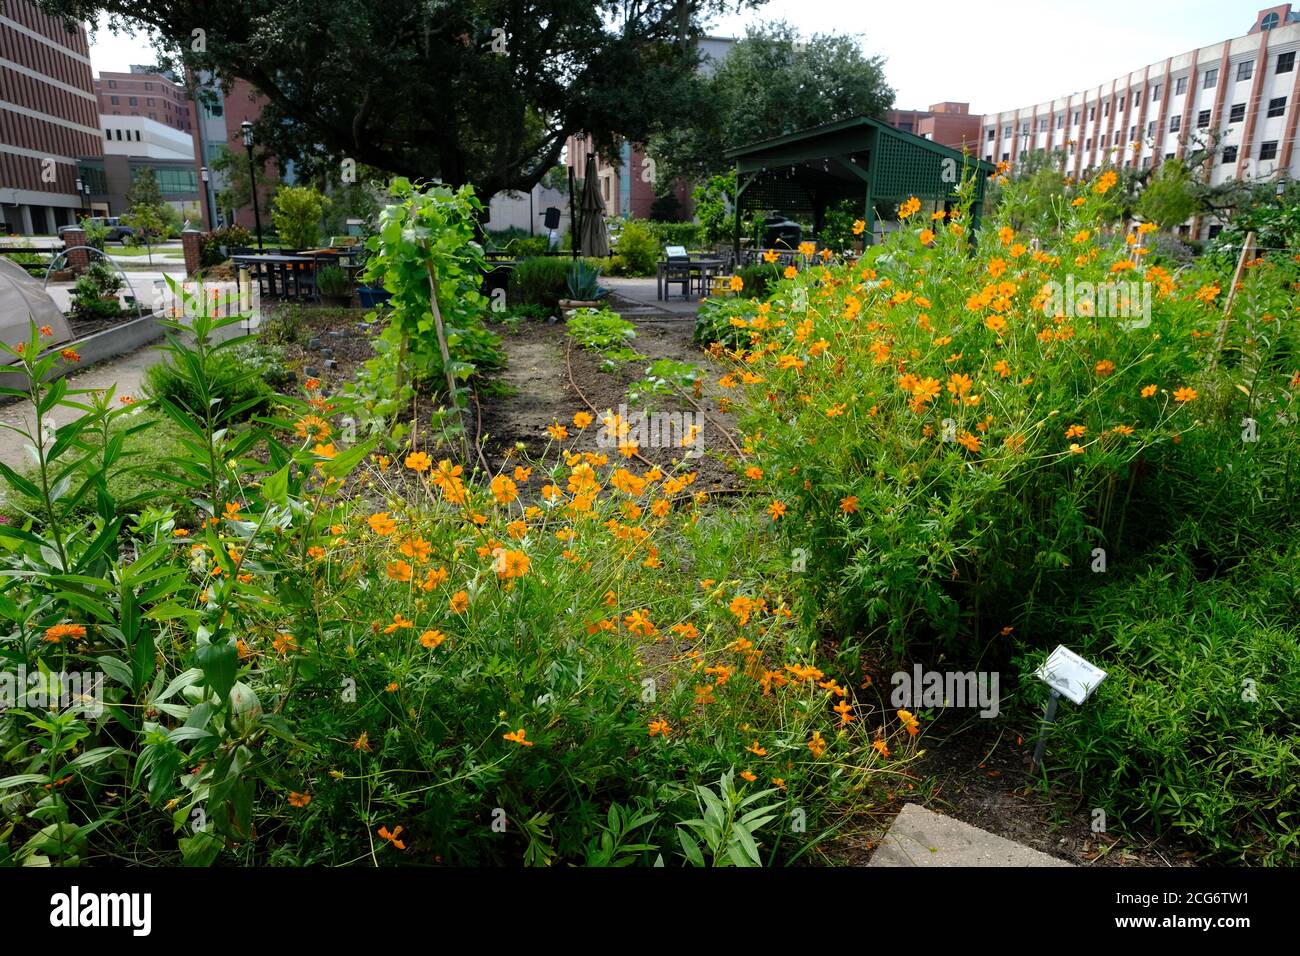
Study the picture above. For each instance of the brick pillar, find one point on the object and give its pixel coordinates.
(78, 259)
(192, 243)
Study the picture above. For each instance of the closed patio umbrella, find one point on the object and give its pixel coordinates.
(594, 240)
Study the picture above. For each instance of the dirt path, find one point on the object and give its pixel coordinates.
(537, 391)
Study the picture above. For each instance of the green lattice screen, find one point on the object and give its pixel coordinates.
(905, 169)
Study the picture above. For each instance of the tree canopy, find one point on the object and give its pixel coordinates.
(770, 84)
(471, 91)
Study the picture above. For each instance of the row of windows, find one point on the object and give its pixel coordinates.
(34, 133)
(1236, 114)
(1284, 63)
(1267, 150)
(171, 179)
(108, 135)
(45, 99)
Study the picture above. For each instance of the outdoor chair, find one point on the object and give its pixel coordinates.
(678, 270)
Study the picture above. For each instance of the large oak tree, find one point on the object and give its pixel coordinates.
(471, 91)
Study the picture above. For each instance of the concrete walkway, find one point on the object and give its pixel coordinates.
(642, 292)
(126, 372)
(921, 837)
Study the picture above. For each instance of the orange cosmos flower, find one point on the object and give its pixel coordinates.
(659, 728)
(817, 744)
(459, 602)
(56, 634)
(1149, 390)
(849, 505)
(557, 431)
(392, 837)
(776, 509)
(1184, 394)
(431, 639)
(419, 461)
(518, 738)
(381, 524)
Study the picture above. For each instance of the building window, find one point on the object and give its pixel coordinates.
(1132, 134)
(1285, 62)
(1180, 86)
(1237, 113)
(1168, 156)
(137, 137)
(1087, 143)
(1269, 22)
(1277, 106)
(1042, 125)
(108, 134)
(1122, 101)
(1146, 162)
(112, 84)
(113, 100)
(1175, 123)
(1006, 131)
(1074, 121)
(119, 134)
(1060, 121)
(1092, 113)
(1155, 93)
(1211, 79)
(1105, 109)
(148, 86)
(992, 133)
(1229, 154)
(988, 157)
(1245, 70)
(1202, 119)
(1268, 150)
(132, 101)
(149, 101)
(1005, 157)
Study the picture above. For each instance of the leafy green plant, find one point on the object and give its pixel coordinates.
(424, 254)
(583, 282)
(539, 281)
(638, 247)
(725, 832)
(228, 238)
(297, 212)
(333, 281)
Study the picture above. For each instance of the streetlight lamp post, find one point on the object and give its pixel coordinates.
(81, 202)
(247, 127)
(209, 206)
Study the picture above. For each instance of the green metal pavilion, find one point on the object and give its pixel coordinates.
(856, 158)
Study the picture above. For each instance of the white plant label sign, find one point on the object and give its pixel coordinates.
(1070, 675)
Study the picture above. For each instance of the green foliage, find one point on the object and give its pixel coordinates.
(95, 292)
(603, 331)
(425, 242)
(771, 83)
(236, 380)
(638, 247)
(724, 320)
(713, 206)
(688, 234)
(583, 282)
(539, 281)
(231, 237)
(297, 212)
(1168, 199)
(333, 281)
(1275, 221)
(759, 278)
(1193, 729)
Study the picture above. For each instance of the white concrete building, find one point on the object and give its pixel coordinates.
(1245, 89)
(143, 138)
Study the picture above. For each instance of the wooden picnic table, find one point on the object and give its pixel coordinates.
(284, 275)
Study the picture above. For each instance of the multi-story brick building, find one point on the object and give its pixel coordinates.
(49, 119)
(1240, 96)
(948, 124)
(144, 93)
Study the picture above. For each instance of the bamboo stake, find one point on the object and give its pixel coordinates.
(1247, 248)
(445, 351)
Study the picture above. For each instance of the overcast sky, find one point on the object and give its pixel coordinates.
(995, 56)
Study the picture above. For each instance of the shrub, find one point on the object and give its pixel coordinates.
(540, 281)
(638, 248)
(297, 212)
(229, 238)
(1193, 729)
(237, 383)
(688, 234)
(333, 281)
